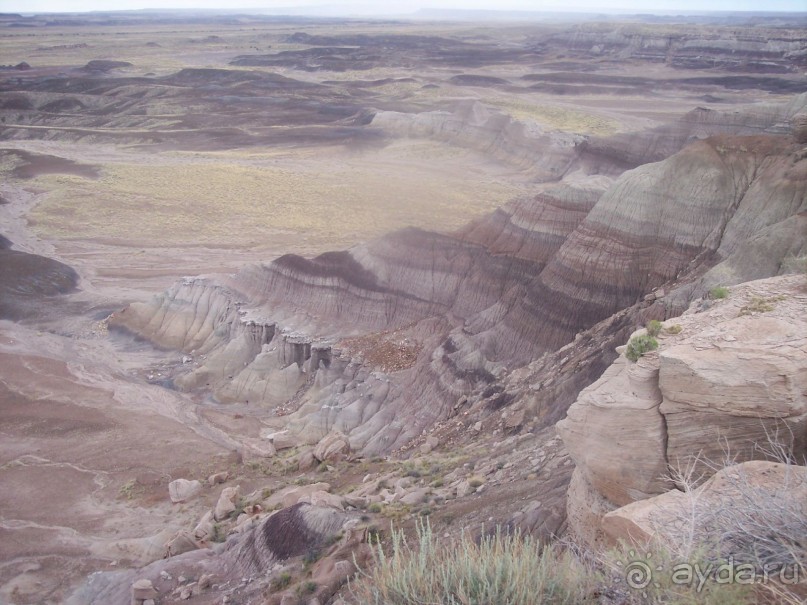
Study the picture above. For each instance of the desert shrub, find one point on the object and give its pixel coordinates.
(375, 507)
(499, 568)
(639, 345)
(757, 304)
(239, 508)
(762, 528)
(475, 481)
(795, 264)
(219, 534)
(653, 327)
(282, 581)
(311, 556)
(676, 329)
(718, 292)
(128, 489)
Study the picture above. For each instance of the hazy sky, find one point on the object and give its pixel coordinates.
(403, 7)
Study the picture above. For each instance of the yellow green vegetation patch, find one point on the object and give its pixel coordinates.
(219, 200)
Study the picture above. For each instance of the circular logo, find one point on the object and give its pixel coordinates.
(638, 574)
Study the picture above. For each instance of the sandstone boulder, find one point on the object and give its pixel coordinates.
(331, 447)
(142, 590)
(306, 460)
(182, 542)
(182, 490)
(729, 394)
(204, 529)
(217, 478)
(615, 432)
(323, 499)
(757, 489)
(227, 503)
(281, 440)
(429, 445)
(416, 496)
(292, 495)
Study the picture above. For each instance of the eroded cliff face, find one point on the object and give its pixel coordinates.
(464, 309)
(728, 385)
(772, 51)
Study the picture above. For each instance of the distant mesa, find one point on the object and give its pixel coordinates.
(21, 66)
(67, 104)
(229, 77)
(207, 40)
(474, 80)
(104, 65)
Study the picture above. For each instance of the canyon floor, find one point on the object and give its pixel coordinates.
(142, 151)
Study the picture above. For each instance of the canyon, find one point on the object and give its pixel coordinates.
(271, 284)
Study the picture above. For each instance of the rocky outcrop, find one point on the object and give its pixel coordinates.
(728, 382)
(755, 511)
(475, 126)
(251, 560)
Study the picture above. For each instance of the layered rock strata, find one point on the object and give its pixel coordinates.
(728, 386)
(473, 305)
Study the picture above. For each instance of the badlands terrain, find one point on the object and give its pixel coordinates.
(269, 284)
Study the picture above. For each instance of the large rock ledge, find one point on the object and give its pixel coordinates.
(730, 383)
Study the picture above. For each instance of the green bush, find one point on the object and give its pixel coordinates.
(718, 292)
(497, 569)
(676, 329)
(639, 345)
(653, 327)
(282, 581)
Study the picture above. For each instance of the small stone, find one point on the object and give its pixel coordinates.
(218, 478)
(227, 503)
(332, 447)
(463, 489)
(205, 581)
(143, 589)
(164, 575)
